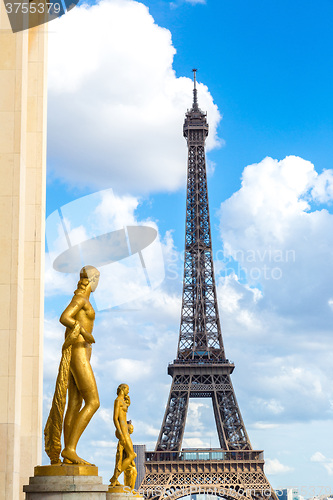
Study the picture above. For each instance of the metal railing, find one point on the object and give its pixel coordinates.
(201, 361)
(214, 455)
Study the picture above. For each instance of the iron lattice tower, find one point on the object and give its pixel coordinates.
(201, 368)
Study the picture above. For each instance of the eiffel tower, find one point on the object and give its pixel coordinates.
(201, 370)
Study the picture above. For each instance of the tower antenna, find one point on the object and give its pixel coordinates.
(195, 92)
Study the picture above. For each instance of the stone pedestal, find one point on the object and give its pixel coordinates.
(65, 482)
(122, 493)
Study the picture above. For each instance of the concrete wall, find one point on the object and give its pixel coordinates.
(22, 215)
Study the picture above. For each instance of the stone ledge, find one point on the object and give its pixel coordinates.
(46, 486)
(66, 480)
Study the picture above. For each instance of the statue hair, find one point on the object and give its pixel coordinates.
(121, 387)
(87, 274)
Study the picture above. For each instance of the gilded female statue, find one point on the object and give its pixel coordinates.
(125, 453)
(75, 375)
(130, 473)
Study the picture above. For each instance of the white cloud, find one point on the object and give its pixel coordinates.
(277, 242)
(196, 2)
(111, 445)
(271, 406)
(54, 337)
(195, 415)
(75, 234)
(271, 213)
(273, 194)
(270, 224)
(273, 466)
(323, 187)
(148, 430)
(195, 442)
(329, 467)
(264, 425)
(326, 462)
(318, 457)
(116, 211)
(237, 304)
(116, 108)
(178, 3)
(132, 369)
(57, 283)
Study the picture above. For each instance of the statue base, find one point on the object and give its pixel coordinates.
(66, 470)
(65, 482)
(122, 493)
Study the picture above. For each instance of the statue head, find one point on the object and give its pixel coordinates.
(124, 388)
(89, 274)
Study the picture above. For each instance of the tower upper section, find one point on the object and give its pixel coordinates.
(200, 338)
(201, 368)
(195, 126)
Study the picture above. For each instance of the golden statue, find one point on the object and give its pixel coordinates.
(130, 472)
(125, 453)
(75, 375)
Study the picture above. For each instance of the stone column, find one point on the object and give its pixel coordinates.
(22, 214)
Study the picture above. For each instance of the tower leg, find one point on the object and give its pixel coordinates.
(173, 427)
(228, 416)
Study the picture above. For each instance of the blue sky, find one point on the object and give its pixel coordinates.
(119, 85)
